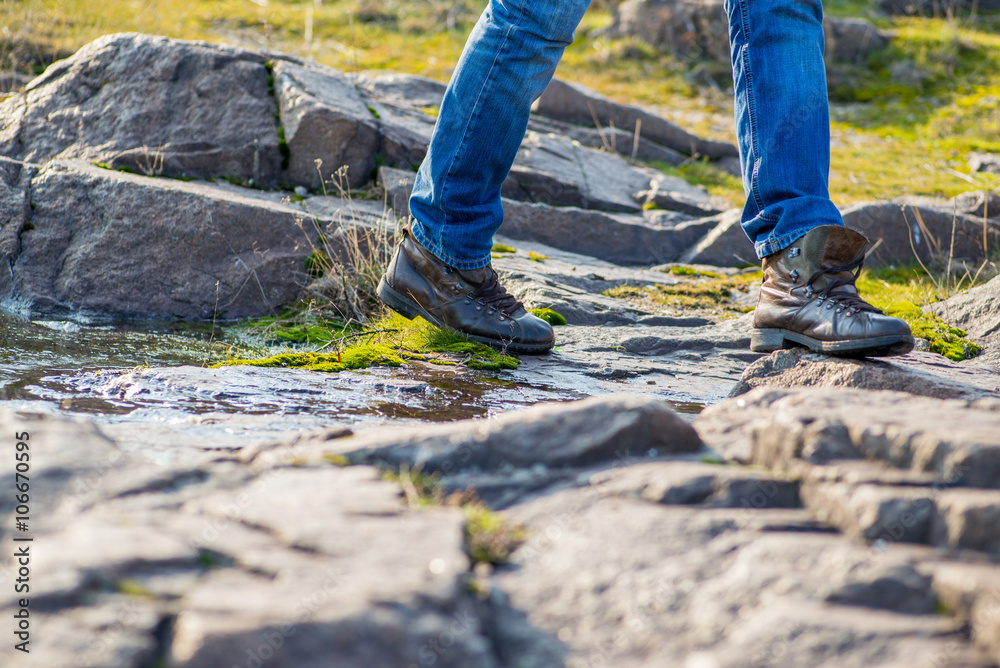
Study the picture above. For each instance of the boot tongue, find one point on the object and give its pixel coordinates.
(474, 277)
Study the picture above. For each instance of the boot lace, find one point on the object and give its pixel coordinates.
(851, 301)
(494, 296)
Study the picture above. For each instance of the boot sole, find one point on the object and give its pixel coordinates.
(410, 309)
(769, 340)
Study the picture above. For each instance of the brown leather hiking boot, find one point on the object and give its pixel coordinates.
(809, 298)
(472, 302)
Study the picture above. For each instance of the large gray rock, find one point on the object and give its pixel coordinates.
(724, 245)
(611, 139)
(699, 29)
(675, 194)
(550, 169)
(923, 374)
(956, 8)
(906, 229)
(575, 103)
(554, 435)
(977, 203)
(955, 440)
(153, 104)
(850, 40)
(401, 89)
(977, 311)
(625, 239)
(984, 162)
(324, 118)
(105, 242)
(15, 213)
(620, 238)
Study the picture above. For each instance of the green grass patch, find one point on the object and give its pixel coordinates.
(537, 257)
(503, 248)
(548, 315)
(489, 538)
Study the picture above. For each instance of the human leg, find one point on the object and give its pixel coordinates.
(441, 271)
(508, 61)
(810, 259)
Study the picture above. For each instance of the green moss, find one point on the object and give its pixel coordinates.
(943, 338)
(683, 270)
(650, 206)
(337, 460)
(537, 257)
(901, 290)
(548, 315)
(28, 226)
(134, 588)
(706, 294)
(126, 169)
(431, 111)
(489, 538)
(503, 248)
(393, 341)
(102, 165)
(374, 112)
(712, 459)
(286, 153)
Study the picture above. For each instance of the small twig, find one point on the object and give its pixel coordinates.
(600, 130)
(635, 138)
(409, 489)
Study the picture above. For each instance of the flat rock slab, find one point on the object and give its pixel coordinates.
(626, 582)
(953, 439)
(697, 483)
(153, 104)
(575, 103)
(295, 566)
(553, 435)
(923, 374)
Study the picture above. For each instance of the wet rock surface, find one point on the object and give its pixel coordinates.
(820, 511)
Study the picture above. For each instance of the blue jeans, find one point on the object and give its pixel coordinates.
(782, 122)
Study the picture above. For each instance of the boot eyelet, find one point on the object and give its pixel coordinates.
(502, 318)
(479, 308)
(468, 301)
(839, 310)
(829, 305)
(810, 290)
(794, 275)
(794, 251)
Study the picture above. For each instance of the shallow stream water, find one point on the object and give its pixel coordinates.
(151, 388)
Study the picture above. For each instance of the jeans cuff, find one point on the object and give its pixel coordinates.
(417, 229)
(772, 246)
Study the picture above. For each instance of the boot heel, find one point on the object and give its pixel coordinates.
(767, 340)
(395, 300)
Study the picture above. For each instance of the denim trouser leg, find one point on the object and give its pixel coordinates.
(782, 119)
(508, 61)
